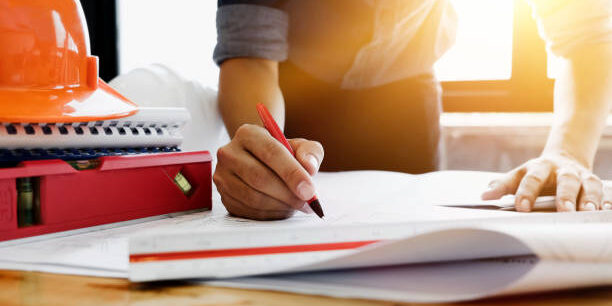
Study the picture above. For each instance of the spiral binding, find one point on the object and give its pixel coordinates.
(94, 129)
(150, 130)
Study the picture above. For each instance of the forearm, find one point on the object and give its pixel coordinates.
(244, 82)
(583, 99)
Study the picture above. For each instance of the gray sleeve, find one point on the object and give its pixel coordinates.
(245, 30)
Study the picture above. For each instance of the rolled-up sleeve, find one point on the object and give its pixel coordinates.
(567, 25)
(251, 29)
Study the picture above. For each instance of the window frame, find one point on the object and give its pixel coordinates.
(101, 19)
(528, 90)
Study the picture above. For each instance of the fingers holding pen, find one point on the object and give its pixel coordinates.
(270, 152)
(258, 178)
(239, 170)
(254, 198)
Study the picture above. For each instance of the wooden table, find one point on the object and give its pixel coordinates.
(32, 288)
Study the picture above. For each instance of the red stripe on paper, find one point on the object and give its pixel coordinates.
(249, 251)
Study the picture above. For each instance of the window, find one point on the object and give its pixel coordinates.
(528, 87)
(499, 62)
(483, 50)
(179, 33)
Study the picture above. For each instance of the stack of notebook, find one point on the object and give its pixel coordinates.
(61, 177)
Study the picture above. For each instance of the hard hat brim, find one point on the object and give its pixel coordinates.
(64, 105)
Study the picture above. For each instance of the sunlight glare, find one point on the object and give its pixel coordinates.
(483, 50)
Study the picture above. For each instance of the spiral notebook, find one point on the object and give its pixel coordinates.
(151, 130)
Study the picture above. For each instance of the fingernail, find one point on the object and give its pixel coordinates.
(313, 161)
(607, 206)
(306, 209)
(525, 205)
(305, 190)
(589, 206)
(569, 206)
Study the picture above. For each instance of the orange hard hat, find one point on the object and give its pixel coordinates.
(47, 74)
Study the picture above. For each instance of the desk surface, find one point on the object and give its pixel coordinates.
(31, 288)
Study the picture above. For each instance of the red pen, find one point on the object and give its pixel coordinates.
(276, 132)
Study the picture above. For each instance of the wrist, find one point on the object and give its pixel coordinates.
(574, 141)
(568, 153)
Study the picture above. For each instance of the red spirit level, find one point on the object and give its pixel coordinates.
(46, 196)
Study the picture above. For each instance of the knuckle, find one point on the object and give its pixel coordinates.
(526, 193)
(566, 174)
(247, 135)
(567, 194)
(244, 131)
(319, 147)
(562, 198)
(564, 195)
(593, 180)
(223, 154)
(533, 179)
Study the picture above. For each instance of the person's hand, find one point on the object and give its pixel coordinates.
(575, 186)
(259, 179)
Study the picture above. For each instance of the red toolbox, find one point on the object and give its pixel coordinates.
(48, 196)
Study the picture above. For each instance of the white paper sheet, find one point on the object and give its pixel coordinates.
(399, 244)
(437, 282)
(361, 199)
(573, 256)
(544, 203)
(366, 205)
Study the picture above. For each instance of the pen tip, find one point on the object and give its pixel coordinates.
(316, 207)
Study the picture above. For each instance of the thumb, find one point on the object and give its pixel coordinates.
(308, 153)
